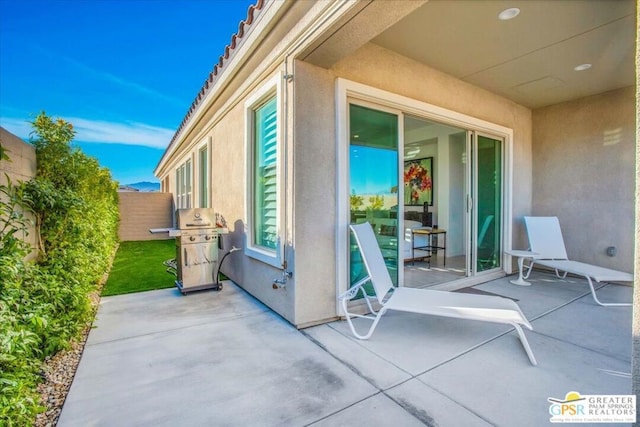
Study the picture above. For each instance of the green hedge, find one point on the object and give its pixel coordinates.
(45, 304)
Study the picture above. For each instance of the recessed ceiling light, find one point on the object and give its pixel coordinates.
(507, 14)
(582, 67)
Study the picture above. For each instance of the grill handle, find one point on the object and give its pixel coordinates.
(208, 224)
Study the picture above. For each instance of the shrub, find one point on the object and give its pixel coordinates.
(44, 305)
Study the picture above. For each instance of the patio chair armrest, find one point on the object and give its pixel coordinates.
(350, 294)
(352, 291)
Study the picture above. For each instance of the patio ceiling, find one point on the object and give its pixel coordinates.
(529, 59)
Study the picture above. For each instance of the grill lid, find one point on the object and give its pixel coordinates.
(196, 218)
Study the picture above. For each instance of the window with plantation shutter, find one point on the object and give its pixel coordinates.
(263, 202)
(187, 186)
(179, 187)
(183, 185)
(265, 182)
(204, 177)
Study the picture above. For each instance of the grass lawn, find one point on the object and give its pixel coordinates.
(138, 267)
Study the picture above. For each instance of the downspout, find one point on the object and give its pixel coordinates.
(281, 282)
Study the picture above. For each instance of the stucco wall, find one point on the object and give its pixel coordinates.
(315, 194)
(141, 211)
(583, 168)
(228, 192)
(20, 167)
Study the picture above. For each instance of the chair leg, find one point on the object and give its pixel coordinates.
(525, 344)
(375, 320)
(367, 299)
(607, 304)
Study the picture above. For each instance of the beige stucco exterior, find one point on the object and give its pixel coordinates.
(315, 193)
(583, 157)
(310, 154)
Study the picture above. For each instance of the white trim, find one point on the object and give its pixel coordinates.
(342, 177)
(422, 109)
(468, 210)
(199, 178)
(210, 171)
(271, 87)
(349, 89)
(400, 218)
(507, 204)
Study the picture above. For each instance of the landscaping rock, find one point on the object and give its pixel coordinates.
(58, 372)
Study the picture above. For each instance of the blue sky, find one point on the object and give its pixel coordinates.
(123, 72)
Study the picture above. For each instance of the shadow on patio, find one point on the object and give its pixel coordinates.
(158, 358)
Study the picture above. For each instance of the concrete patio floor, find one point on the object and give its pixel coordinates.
(223, 359)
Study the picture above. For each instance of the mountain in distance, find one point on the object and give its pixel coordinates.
(144, 186)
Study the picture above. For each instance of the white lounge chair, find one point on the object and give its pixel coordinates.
(545, 239)
(486, 308)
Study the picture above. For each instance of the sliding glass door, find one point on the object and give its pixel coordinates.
(373, 180)
(487, 187)
(463, 199)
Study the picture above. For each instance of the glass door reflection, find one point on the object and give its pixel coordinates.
(373, 177)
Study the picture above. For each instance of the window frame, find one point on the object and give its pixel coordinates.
(178, 192)
(271, 88)
(204, 179)
(184, 184)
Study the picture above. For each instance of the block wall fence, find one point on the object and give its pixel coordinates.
(141, 211)
(21, 166)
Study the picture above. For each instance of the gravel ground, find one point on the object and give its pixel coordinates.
(58, 372)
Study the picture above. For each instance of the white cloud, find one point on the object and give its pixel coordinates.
(108, 77)
(130, 133)
(120, 81)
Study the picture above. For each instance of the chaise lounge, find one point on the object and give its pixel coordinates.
(486, 308)
(546, 241)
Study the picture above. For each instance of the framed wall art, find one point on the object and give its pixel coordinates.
(418, 182)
